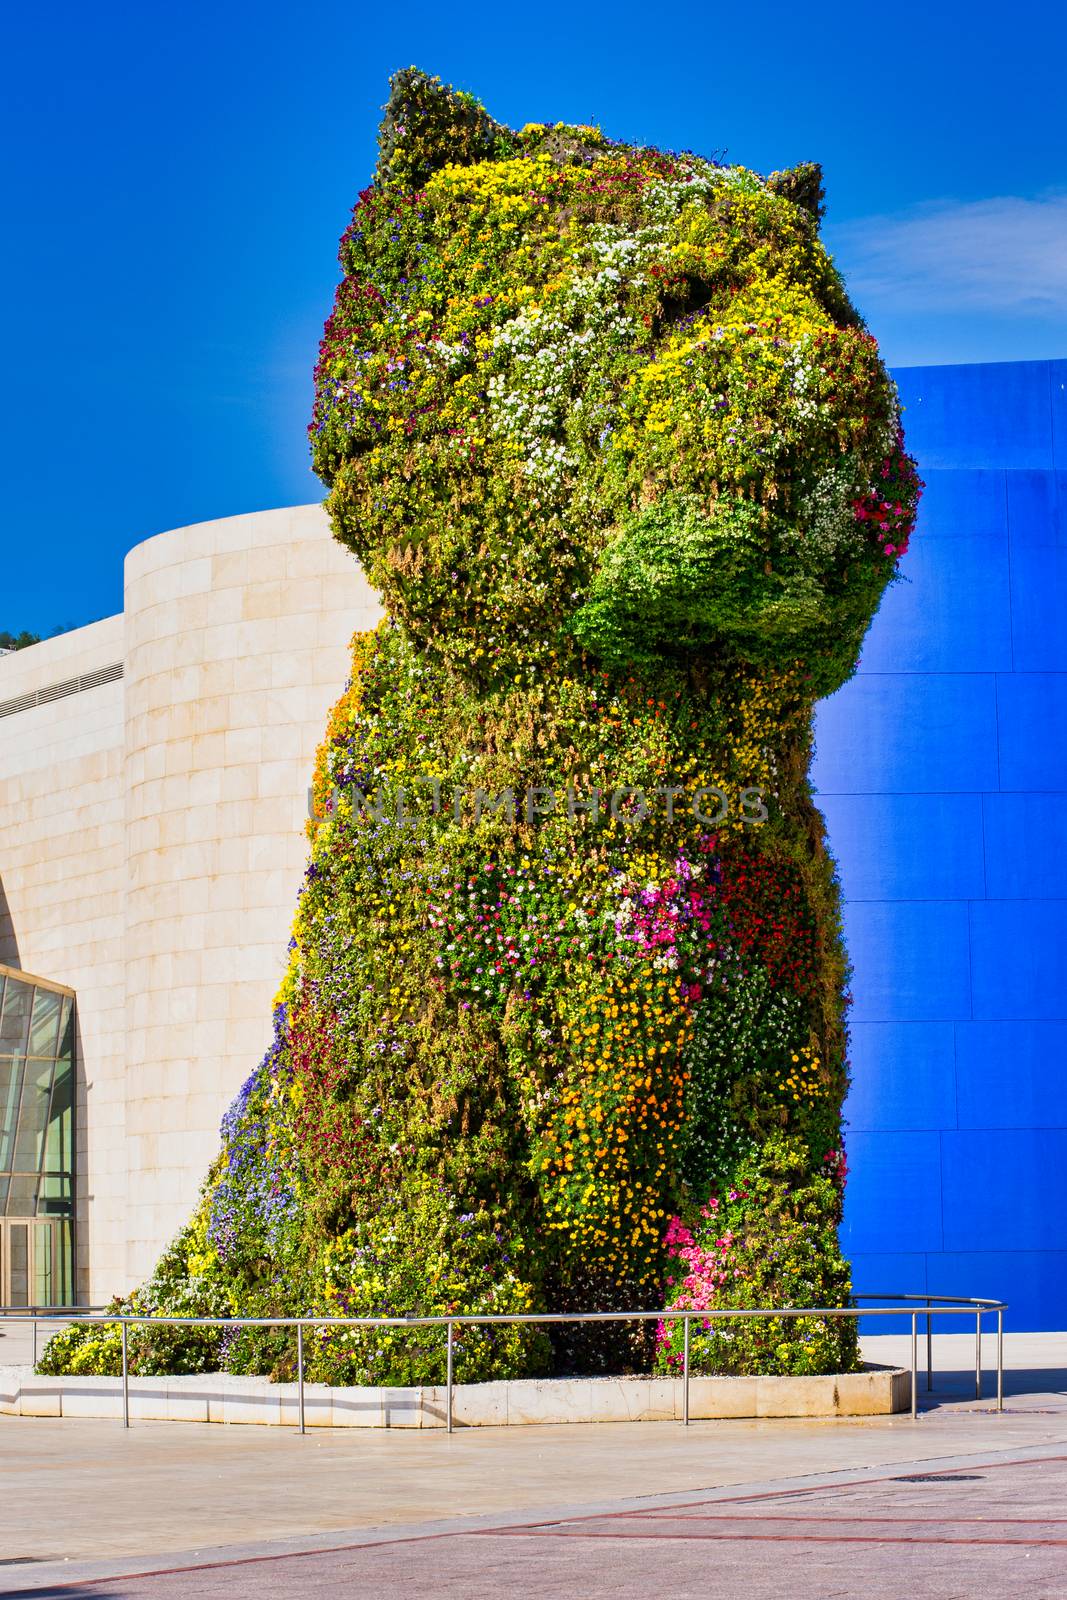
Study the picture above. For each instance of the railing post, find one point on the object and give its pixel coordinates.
(125, 1380)
(448, 1380)
(929, 1348)
(914, 1365)
(35, 1343)
(300, 1374)
(685, 1371)
(1000, 1360)
(978, 1355)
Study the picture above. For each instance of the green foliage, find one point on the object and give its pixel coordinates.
(604, 430)
(429, 1260)
(182, 1285)
(84, 1350)
(803, 186)
(427, 124)
(769, 1241)
(677, 581)
(550, 354)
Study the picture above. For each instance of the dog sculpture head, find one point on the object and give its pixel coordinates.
(582, 395)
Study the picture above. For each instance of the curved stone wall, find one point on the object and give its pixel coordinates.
(236, 646)
(62, 876)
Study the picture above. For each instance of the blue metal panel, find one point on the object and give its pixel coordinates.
(1032, 1282)
(1039, 599)
(1058, 396)
(1037, 513)
(962, 506)
(924, 733)
(887, 1273)
(1019, 959)
(1025, 846)
(989, 415)
(950, 612)
(910, 959)
(903, 1076)
(1036, 504)
(894, 1192)
(1011, 1075)
(1003, 1188)
(907, 846)
(943, 773)
(1032, 719)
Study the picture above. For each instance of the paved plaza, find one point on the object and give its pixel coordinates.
(959, 1502)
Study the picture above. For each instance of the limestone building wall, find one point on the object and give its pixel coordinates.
(152, 843)
(62, 855)
(237, 638)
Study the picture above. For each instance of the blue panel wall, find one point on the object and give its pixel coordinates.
(942, 771)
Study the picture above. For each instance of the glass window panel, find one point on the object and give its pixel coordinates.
(10, 1094)
(63, 1263)
(55, 1196)
(18, 1253)
(43, 1265)
(33, 1118)
(66, 1030)
(22, 1195)
(58, 1145)
(44, 1023)
(15, 1018)
(37, 1116)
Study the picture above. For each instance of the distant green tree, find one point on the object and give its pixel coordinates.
(18, 641)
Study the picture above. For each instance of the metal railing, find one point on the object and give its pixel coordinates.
(36, 1314)
(908, 1305)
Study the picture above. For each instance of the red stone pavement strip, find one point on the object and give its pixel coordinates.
(897, 1511)
(718, 1516)
(916, 1474)
(772, 1538)
(747, 1525)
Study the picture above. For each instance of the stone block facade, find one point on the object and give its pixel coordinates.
(152, 843)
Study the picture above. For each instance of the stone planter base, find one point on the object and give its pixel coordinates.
(220, 1397)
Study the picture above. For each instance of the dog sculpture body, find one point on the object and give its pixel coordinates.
(564, 1022)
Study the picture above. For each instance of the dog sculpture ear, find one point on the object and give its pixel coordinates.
(428, 124)
(803, 185)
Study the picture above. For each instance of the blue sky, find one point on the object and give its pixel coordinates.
(179, 177)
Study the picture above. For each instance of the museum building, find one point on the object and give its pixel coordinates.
(153, 789)
(153, 793)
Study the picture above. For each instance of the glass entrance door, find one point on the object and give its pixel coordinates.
(28, 1259)
(37, 1140)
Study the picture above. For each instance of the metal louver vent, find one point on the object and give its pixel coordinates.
(59, 691)
(90, 680)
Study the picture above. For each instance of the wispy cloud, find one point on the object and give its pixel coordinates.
(1006, 255)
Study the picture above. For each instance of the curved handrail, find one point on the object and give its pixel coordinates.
(932, 1306)
(948, 1299)
(946, 1304)
(48, 1311)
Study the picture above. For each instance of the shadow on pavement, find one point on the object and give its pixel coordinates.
(60, 1591)
(957, 1384)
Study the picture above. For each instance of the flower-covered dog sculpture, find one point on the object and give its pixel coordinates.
(563, 1025)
